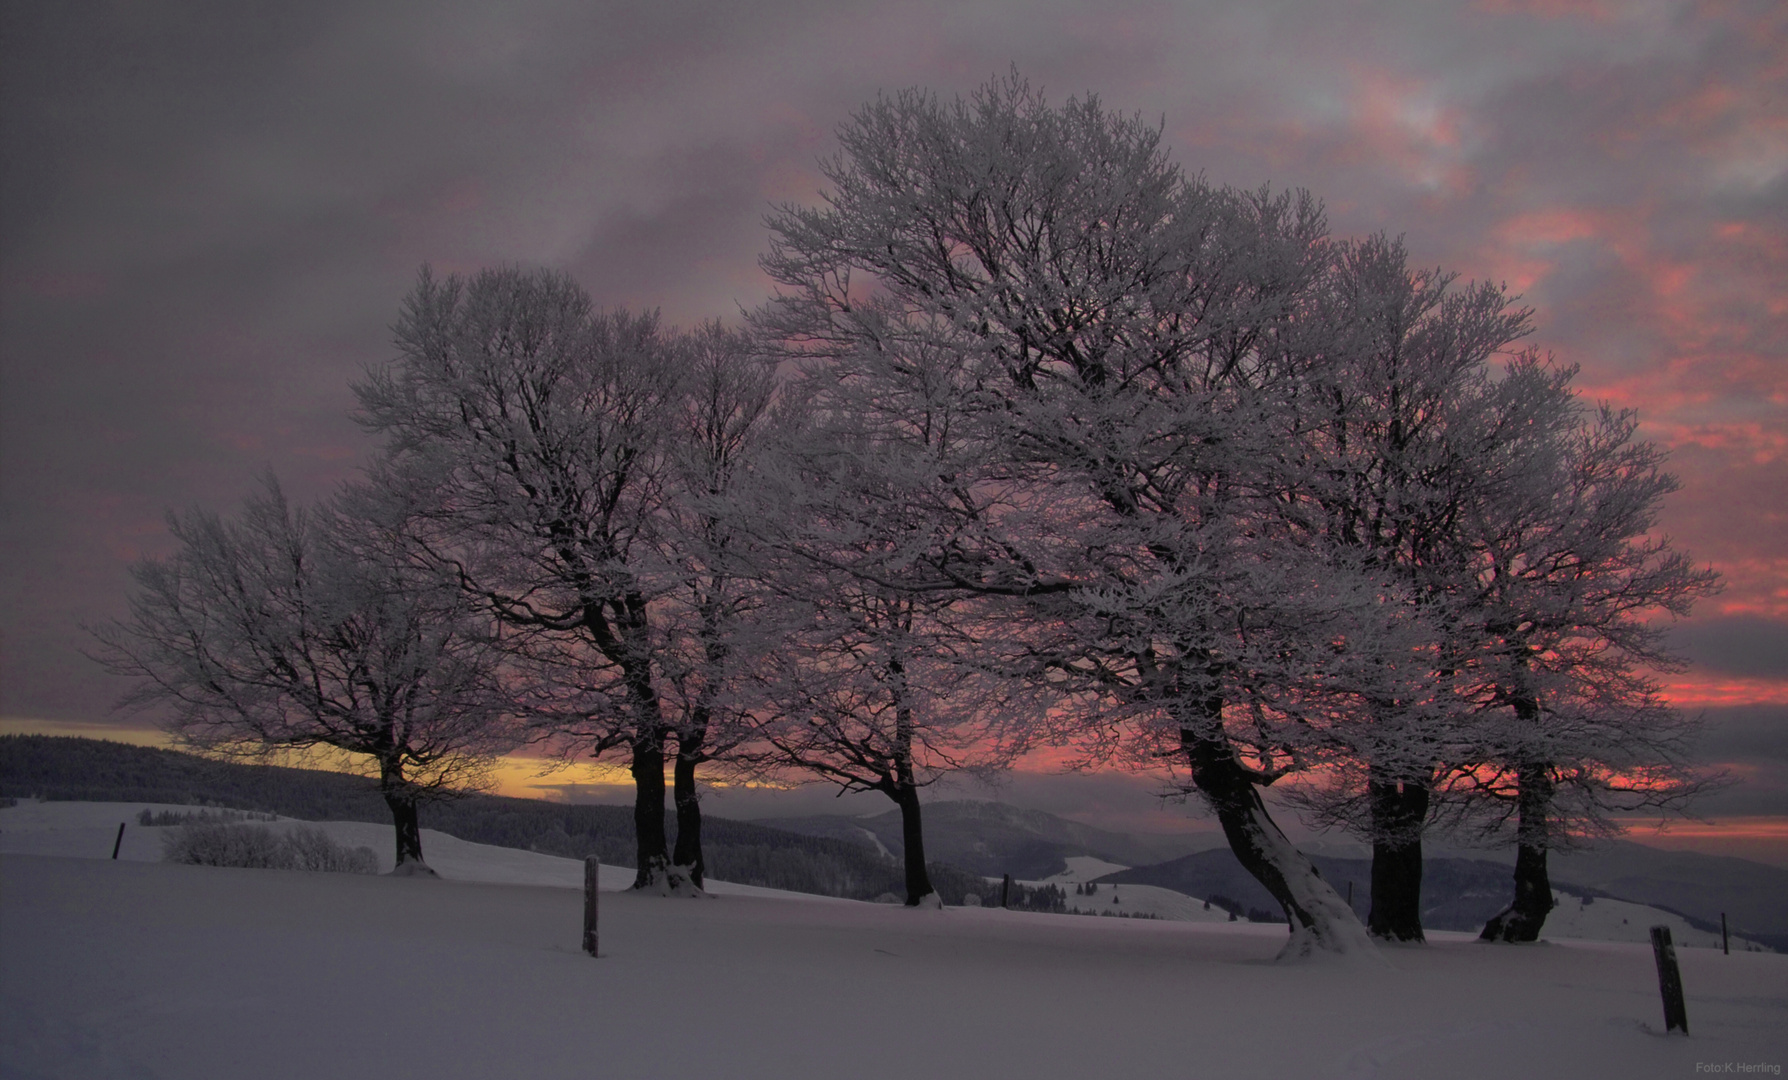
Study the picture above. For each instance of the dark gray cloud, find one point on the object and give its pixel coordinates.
(212, 211)
(1746, 733)
(1744, 645)
(1750, 744)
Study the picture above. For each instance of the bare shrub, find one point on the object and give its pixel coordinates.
(312, 849)
(213, 843)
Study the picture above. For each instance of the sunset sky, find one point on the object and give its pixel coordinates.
(212, 210)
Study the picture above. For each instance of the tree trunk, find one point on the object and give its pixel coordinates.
(405, 821)
(647, 765)
(1399, 810)
(687, 858)
(1320, 919)
(912, 835)
(1523, 919)
(905, 788)
(648, 810)
(409, 829)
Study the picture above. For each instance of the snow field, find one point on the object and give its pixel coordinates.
(138, 968)
(1603, 919)
(88, 829)
(161, 970)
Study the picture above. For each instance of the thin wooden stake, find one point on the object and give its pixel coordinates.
(1006, 891)
(1676, 1015)
(118, 843)
(1350, 896)
(592, 875)
(1725, 942)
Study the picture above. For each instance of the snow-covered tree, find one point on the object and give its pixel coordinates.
(1564, 619)
(1403, 436)
(716, 624)
(532, 436)
(1479, 499)
(1263, 499)
(883, 675)
(1125, 331)
(294, 629)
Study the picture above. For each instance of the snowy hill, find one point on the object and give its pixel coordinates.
(89, 830)
(1590, 918)
(1751, 893)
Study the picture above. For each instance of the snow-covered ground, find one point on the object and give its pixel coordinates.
(1144, 901)
(139, 968)
(1081, 868)
(1586, 919)
(1133, 901)
(89, 829)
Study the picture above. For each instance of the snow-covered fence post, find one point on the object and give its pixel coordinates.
(118, 843)
(1669, 980)
(592, 874)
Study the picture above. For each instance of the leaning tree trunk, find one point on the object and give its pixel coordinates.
(686, 859)
(1399, 810)
(1523, 919)
(1321, 921)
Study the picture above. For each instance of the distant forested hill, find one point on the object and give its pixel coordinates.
(62, 769)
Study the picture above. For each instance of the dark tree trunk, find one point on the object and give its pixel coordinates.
(904, 788)
(647, 765)
(1399, 810)
(409, 828)
(1320, 919)
(692, 750)
(688, 853)
(912, 835)
(648, 810)
(400, 799)
(1523, 919)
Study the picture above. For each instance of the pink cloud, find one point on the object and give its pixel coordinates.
(1698, 690)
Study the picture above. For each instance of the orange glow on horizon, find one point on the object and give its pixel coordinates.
(82, 729)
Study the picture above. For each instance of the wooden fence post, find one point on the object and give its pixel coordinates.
(592, 875)
(118, 843)
(1725, 941)
(1006, 891)
(1676, 1015)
